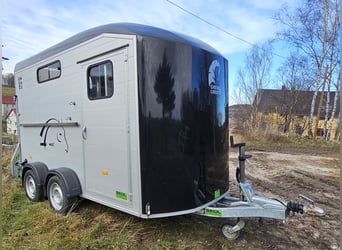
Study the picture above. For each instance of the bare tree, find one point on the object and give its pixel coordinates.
(254, 76)
(294, 76)
(312, 29)
(333, 79)
(8, 79)
(329, 123)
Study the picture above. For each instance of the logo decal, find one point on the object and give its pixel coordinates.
(213, 77)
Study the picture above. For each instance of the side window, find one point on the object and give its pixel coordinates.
(49, 72)
(100, 81)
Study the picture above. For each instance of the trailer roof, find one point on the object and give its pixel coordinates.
(114, 28)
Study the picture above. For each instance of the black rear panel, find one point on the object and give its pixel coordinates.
(183, 109)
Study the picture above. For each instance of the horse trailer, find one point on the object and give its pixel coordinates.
(135, 118)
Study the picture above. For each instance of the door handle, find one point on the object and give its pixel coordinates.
(84, 132)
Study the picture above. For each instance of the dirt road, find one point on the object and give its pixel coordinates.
(284, 176)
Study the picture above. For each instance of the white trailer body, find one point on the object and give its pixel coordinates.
(101, 133)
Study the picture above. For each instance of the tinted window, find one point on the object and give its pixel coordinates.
(49, 72)
(100, 81)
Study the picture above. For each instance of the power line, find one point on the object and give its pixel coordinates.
(211, 24)
(217, 27)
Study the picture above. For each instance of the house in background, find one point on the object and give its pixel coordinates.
(9, 118)
(238, 117)
(11, 121)
(8, 103)
(289, 110)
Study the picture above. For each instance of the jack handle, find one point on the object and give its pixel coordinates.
(241, 146)
(235, 145)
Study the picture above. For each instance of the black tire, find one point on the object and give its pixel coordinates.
(56, 194)
(33, 192)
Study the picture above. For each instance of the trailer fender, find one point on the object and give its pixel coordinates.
(70, 180)
(39, 169)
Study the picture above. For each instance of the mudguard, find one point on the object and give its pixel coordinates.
(70, 180)
(40, 170)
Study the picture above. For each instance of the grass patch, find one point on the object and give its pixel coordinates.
(281, 140)
(28, 225)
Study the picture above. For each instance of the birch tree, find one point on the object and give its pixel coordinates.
(333, 77)
(311, 29)
(294, 77)
(254, 76)
(333, 112)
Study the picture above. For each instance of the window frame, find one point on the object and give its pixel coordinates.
(46, 66)
(88, 83)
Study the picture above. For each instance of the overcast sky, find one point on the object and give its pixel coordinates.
(31, 26)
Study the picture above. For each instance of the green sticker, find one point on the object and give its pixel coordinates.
(212, 212)
(217, 193)
(121, 195)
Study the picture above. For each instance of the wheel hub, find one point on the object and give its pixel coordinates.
(31, 187)
(56, 196)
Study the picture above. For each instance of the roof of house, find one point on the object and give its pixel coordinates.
(271, 101)
(8, 100)
(13, 110)
(238, 108)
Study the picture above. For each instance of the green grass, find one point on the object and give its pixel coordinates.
(28, 225)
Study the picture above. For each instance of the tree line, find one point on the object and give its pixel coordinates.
(311, 32)
(8, 79)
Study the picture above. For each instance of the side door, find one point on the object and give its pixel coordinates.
(105, 128)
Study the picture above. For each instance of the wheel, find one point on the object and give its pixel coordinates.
(33, 192)
(226, 230)
(57, 196)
